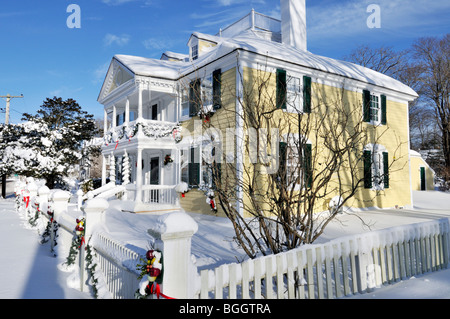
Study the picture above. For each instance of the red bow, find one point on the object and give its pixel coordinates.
(155, 289)
(82, 242)
(26, 199)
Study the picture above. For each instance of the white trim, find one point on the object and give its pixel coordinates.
(239, 134)
(254, 60)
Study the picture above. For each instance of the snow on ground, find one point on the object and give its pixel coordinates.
(27, 270)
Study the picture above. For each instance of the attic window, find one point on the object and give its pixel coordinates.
(194, 52)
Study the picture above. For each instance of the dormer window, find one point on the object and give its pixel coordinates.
(194, 52)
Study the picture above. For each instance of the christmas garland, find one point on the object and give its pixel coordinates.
(77, 241)
(52, 226)
(151, 274)
(32, 220)
(90, 267)
(150, 130)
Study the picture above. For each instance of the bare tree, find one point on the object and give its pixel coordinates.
(383, 59)
(432, 55)
(297, 162)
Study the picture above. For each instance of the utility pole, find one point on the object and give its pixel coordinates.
(8, 101)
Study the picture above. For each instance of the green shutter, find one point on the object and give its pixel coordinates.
(306, 94)
(217, 80)
(282, 160)
(307, 161)
(194, 168)
(386, 169)
(367, 169)
(366, 106)
(281, 89)
(194, 97)
(383, 110)
(423, 185)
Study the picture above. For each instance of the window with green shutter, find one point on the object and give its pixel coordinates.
(281, 89)
(367, 169)
(294, 167)
(383, 110)
(195, 99)
(374, 108)
(366, 106)
(282, 161)
(307, 162)
(217, 80)
(386, 169)
(194, 167)
(306, 94)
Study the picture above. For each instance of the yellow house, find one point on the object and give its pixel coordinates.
(422, 175)
(169, 121)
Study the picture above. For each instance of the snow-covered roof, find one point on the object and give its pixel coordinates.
(152, 67)
(250, 41)
(174, 55)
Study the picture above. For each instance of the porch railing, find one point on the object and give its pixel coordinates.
(158, 194)
(161, 194)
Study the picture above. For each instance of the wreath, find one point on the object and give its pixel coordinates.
(151, 273)
(168, 159)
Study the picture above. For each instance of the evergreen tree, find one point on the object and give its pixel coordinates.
(48, 144)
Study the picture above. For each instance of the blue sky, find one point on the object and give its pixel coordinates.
(41, 57)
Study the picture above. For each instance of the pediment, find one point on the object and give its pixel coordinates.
(116, 76)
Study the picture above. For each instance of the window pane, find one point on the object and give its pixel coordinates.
(294, 95)
(207, 91)
(374, 108)
(184, 102)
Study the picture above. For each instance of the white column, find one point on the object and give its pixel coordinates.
(140, 106)
(114, 123)
(127, 110)
(112, 168)
(105, 122)
(138, 197)
(103, 169)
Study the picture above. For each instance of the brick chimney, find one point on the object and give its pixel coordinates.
(293, 23)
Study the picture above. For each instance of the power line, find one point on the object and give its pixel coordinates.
(8, 101)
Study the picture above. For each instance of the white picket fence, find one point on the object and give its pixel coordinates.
(336, 269)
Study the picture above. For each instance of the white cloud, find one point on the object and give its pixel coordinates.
(100, 72)
(328, 19)
(160, 45)
(116, 2)
(111, 39)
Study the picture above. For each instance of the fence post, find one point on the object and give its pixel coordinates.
(43, 193)
(32, 193)
(94, 214)
(173, 233)
(60, 202)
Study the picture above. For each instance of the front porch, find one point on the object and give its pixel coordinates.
(148, 174)
(141, 130)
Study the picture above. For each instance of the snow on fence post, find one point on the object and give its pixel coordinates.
(94, 214)
(60, 202)
(173, 233)
(79, 199)
(43, 193)
(42, 198)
